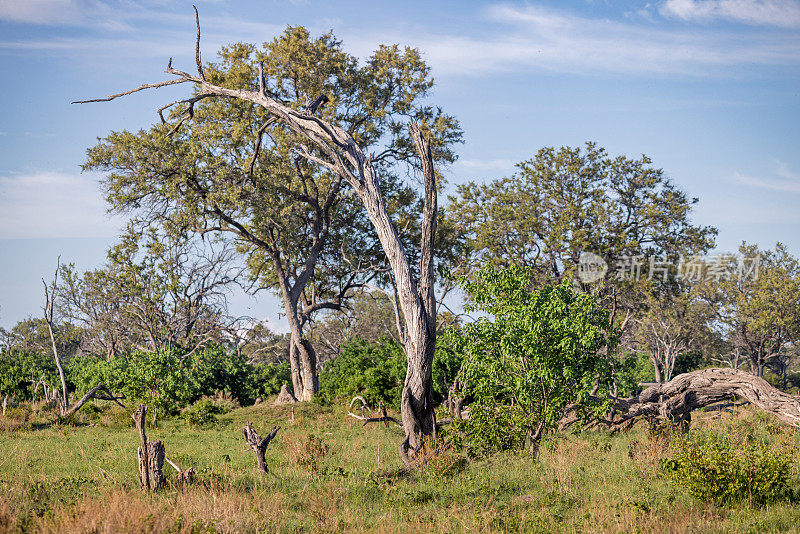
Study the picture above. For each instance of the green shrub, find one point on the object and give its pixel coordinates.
(534, 353)
(375, 371)
(203, 414)
(732, 464)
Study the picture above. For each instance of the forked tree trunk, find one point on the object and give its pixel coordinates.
(150, 455)
(258, 444)
(341, 154)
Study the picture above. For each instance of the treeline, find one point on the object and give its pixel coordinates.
(166, 380)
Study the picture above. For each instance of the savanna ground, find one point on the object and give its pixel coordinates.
(328, 474)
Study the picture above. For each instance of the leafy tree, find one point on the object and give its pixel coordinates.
(31, 336)
(674, 325)
(156, 292)
(23, 373)
(369, 316)
(235, 169)
(567, 201)
(538, 353)
(756, 296)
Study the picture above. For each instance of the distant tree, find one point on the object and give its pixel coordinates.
(756, 296)
(673, 324)
(258, 343)
(156, 292)
(32, 336)
(568, 201)
(368, 315)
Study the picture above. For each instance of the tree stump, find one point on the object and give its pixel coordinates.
(258, 444)
(150, 454)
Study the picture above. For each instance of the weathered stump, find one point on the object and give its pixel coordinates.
(258, 444)
(150, 454)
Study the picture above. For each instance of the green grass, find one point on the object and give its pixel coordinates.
(328, 473)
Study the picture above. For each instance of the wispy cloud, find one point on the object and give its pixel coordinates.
(537, 37)
(785, 180)
(781, 13)
(53, 204)
(512, 38)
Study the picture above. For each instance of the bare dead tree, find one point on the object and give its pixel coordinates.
(341, 154)
(50, 294)
(258, 444)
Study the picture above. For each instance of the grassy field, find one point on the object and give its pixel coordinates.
(329, 474)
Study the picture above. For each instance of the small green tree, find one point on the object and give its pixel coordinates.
(539, 354)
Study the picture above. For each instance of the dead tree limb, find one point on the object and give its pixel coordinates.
(383, 417)
(93, 394)
(675, 400)
(259, 444)
(150, 454)
(184, 478)
(50, 295)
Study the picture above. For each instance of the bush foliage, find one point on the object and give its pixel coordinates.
(535, 353)
(733, 463)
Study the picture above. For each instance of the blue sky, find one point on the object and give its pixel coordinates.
(709, 89)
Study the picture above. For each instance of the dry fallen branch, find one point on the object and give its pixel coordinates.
(383, 417)
(259, 444)
(93, 394)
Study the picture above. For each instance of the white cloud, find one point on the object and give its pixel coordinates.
(511, 39)
(53, 204)
(534, 37)
(781, 13)
(785, 180)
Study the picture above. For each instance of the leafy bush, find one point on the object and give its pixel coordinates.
(733, 464)
(267, 379)
(18, 368)
(171, 380)
(538, 352)
(203, 414)
(375, 371)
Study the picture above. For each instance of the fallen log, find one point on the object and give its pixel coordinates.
(93, 393)
(675, 400)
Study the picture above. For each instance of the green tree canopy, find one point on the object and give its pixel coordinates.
(228, 167)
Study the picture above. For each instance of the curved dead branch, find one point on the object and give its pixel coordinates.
(675, 400)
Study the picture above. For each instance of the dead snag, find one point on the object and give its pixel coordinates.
(93, 393)
(150, 454)
(258, 444)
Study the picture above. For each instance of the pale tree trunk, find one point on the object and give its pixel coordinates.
(49, 305)
(342, 156)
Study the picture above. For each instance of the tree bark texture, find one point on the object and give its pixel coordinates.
(675, 400)
(258, 444)
(150, 455)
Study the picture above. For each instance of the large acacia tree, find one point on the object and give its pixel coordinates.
(229, 164)
(570, 200)
(354, 142)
